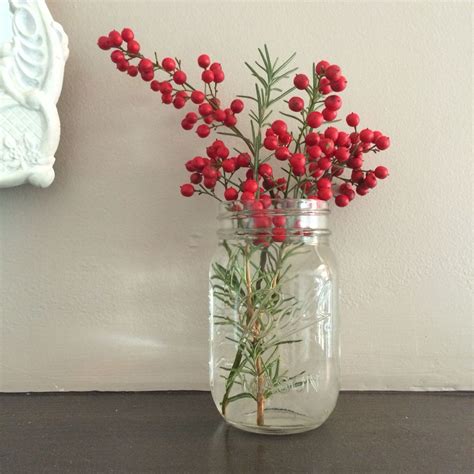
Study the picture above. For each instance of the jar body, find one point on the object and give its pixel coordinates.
(274, 345)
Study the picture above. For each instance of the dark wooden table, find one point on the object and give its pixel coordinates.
(181, 432)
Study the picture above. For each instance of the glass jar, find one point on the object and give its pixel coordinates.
(274, 344)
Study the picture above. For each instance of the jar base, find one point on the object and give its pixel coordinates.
(277, 422)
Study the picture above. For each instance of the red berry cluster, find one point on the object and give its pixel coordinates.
(174, 89)
(318, 161)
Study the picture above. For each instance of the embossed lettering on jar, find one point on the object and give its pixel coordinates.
(274, 348)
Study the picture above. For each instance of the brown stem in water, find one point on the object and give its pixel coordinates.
(260, 384)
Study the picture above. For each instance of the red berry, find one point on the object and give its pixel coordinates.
(366, 135)
(329, 115)
(123, 65)
(179, 77)
(377, 134)
(215, 67)
(298, 160)
(115, 38)
(250, 186)
(333, 72)
(132, 71)
(381, 172)
(191, 117)
(247, 196)
(324, 163)
(229, 166)
(117, 56)
(342, 154)
(243, 160)
(209, 172)
(168, 64)
(279, 221)
(382, 142)
(342, 200)
(196, 178)
(339, 84)
(210, 183)
(332, 133)
(104, 43)
(203, 131)
(204, 60)
(299, 171)
(155, 86)
(314, 119)
(279, 234)
(219, 76)
(323, 183)
(357, 176)
(231, 194)
(148, 76)
(285, 138)
(327, 146)
(279, 127)
(296, 104)
(167, 98)
(261, 221)
(198, 163)
(230, 120)
(362, 189)
(127, 34)
(314, 151)
(270, 143)
(197, 97)
(346, 189)
(237, 106)
(343, 139)
(265, 170)
(301, 81)
(219, 115)
(133, 47)
(333, 102)
(324, 86)
(189, 165)
(324, 193)
(355, 162)
(207, 76)
(145, 65)
(166, 87)
(321, 67)
(187, 190)
(268, 182)
(312, 139)
(205, 109)
(354, 137)
(282, 153)
(281, 184)
(370, 180)
(179, 102)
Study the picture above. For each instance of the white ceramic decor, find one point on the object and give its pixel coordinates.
(33, 51)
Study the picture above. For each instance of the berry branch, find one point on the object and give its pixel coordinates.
(320, 158)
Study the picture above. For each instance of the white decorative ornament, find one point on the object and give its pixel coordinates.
(33, 51)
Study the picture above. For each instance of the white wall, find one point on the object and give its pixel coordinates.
(103, 275)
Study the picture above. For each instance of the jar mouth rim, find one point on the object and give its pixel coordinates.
(290, 205)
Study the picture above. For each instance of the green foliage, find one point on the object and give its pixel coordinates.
(261, 317)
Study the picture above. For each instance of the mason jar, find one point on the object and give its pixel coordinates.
(274, 344)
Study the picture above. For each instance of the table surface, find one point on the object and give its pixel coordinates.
(181, 432)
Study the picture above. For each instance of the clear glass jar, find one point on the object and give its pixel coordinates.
(274, 344)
